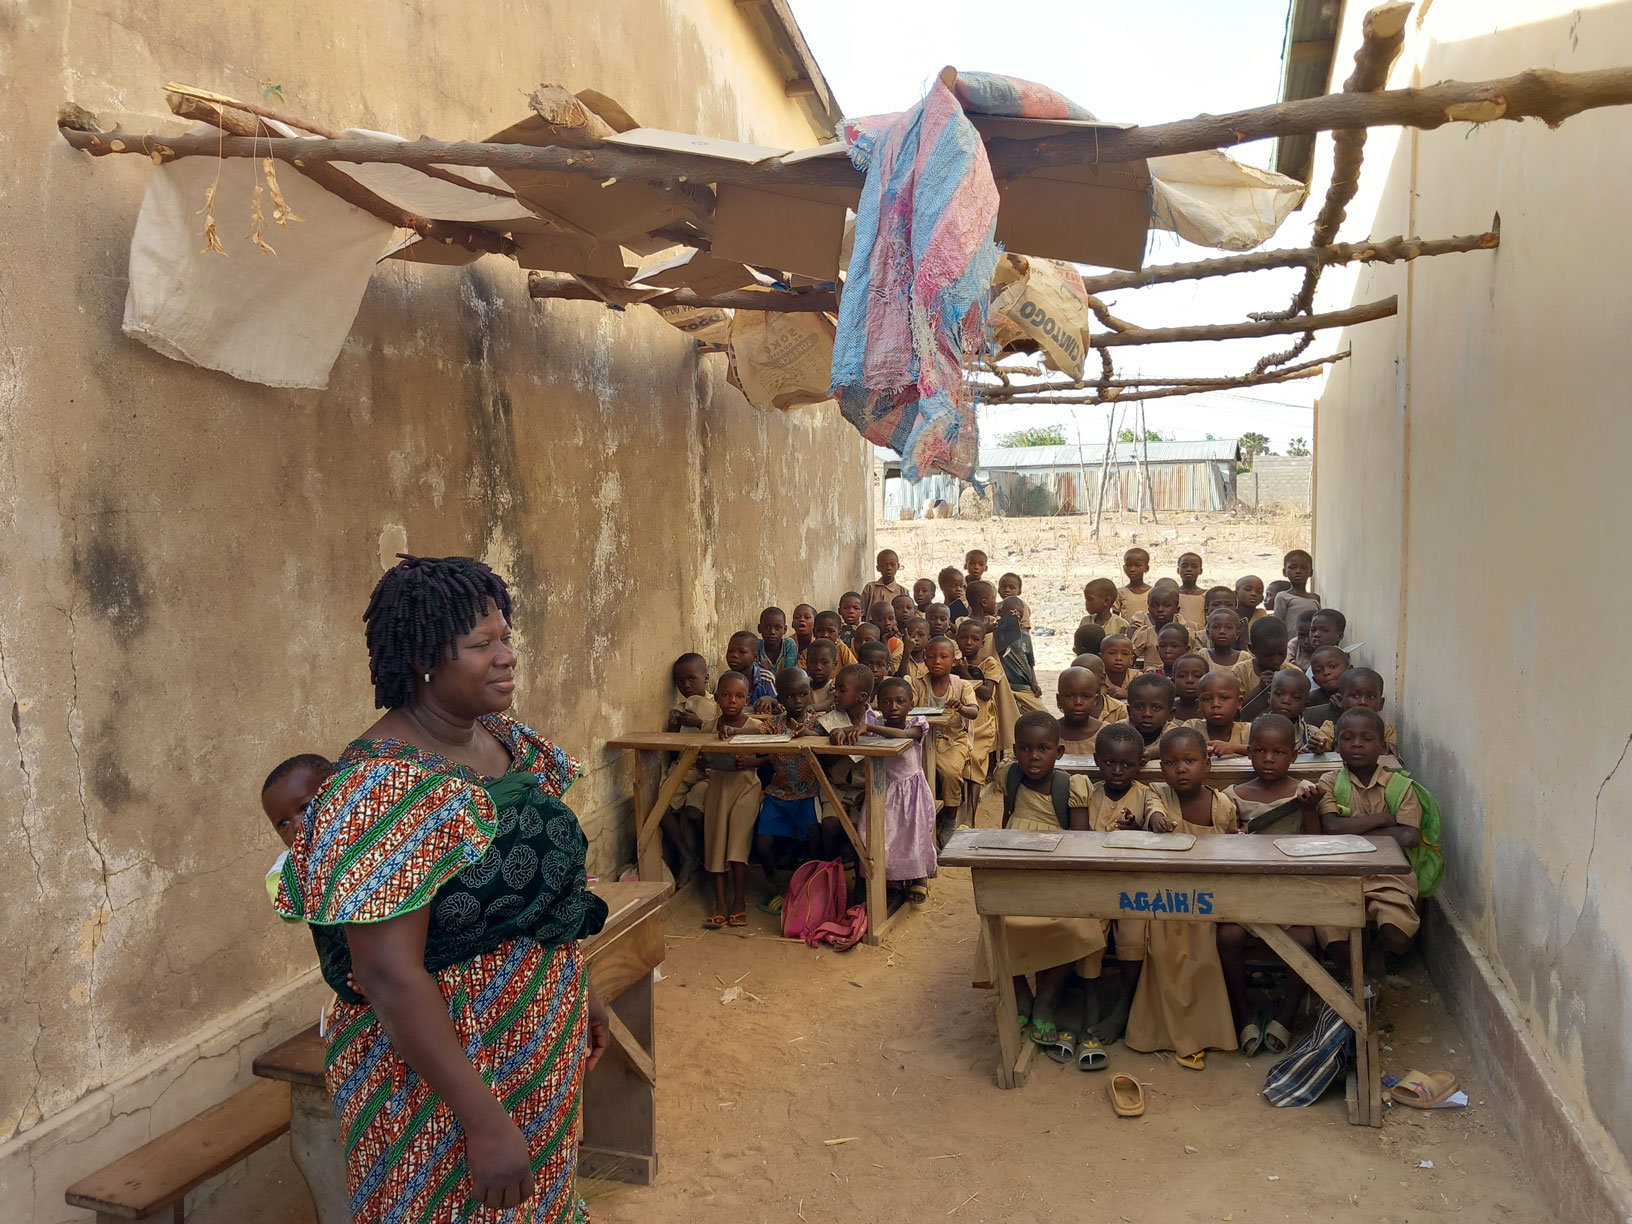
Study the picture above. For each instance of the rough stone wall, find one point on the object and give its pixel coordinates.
(184, 558)
(1470, 474)
(1276, 480)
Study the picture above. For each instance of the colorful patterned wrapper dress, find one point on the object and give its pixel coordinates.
(500, 864)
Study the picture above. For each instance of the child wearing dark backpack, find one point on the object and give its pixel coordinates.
(1031, 793)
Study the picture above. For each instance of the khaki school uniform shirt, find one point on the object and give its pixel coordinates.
(1328, 731)
(1193, 608)
(1239, 732)
(843, 653)
(1369, 800)
(1105, 813)
(1225, 815)
(873, 592)
(1129, 604)
(1247, 674)
(1113, 624)
(1144, 641)
(1115, 709)
(959, 692)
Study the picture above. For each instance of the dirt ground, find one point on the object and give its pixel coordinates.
(890, 1049)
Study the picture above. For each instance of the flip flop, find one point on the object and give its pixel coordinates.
(1064, 1046)
(1277, 1040)
(1252, 1040)
(1127, 1096)
(1424, 1089)
(918, 893)
(1044, 1032)
(1091, 1055)
(773, 906)
(714, 922)
(1195, 1062)
(738, 919)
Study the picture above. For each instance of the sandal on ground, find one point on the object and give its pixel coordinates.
(1195, 1062)
(1064, 1046)
(715, 921)
(738, 919)
(1277, 1040)
(773, 906)
(1127, 1096)
(1044, 1032)
(1091, 1055)
(1424, 1089)
(918, 893)
(1251, 1041)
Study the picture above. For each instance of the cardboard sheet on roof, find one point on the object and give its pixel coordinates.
(1083, 214)
(573, 254)
(796, 229)
(699, 271)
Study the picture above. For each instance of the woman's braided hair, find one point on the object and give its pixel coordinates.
(420, 606)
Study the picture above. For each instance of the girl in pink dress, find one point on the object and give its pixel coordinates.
(909, 807)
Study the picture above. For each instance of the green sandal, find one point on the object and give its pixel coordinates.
(1044, 1032)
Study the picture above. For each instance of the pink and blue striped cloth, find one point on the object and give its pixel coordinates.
(915, 294)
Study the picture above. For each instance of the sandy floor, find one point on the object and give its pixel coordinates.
(890, 1049)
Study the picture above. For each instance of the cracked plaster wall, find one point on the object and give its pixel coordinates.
(1471, 491)
(184, 559)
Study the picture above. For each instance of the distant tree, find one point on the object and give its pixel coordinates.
(1037, 435)
(1127, 435)
(1297, 448)
(1212, 437)
(1253, 445)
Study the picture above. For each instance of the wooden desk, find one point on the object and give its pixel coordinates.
(619, 1108)
(1221, 771)
(652, 795)
(1221, 879)
(937, 724)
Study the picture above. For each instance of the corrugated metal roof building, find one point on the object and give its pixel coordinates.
(1041, 480)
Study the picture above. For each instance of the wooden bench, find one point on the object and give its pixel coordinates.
(620, 1106)
(157, 1175)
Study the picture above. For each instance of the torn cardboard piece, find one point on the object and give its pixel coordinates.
(781, 360)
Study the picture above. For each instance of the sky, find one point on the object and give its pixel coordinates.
(1127, 61)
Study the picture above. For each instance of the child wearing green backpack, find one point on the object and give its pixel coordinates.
(1364, 797)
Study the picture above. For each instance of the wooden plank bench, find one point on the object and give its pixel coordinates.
(620, 1105)
(157, 1175)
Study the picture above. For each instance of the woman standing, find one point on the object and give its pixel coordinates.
(442, 847)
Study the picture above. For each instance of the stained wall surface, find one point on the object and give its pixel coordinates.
(184, 559)
(1470, 489)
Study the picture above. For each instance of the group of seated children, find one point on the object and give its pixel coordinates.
(1161, 675)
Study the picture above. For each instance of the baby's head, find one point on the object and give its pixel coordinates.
(1012, 606)
(290, 786)
(690, 673)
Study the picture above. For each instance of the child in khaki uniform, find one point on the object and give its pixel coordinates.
(1106, 708)
(1078, 690)
(1047, 947)
(1220, 700)
(692, 712)
(987, 678)
(732, 805)
(1099, 601)
(1182, 1004)
(886, 588)
(956, 696)
(1162, 610)
(1391, 901)
(1130, 599)
(1192, 599)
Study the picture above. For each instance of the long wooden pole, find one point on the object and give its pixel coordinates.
(1539, 93)
(1216, 384)
(1380, 309)
(814, 301)
(1014, 391)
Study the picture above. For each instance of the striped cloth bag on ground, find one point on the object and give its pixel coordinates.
(1304, 1073)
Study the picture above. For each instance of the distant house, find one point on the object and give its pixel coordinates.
(1039, 480)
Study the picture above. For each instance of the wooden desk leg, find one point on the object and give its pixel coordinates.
(620, 1097)
(878, 902)
(314, 1142)
(1013, 1050)
(648, 781)
(930, 739)
(1365, 1075)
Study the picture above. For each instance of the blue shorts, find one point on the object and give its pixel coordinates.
(786, 817)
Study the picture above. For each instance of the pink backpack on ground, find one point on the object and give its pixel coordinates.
(814, 908)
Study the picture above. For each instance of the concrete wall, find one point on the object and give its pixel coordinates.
(184, 559)
(1471, 479)
(1276, 480)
